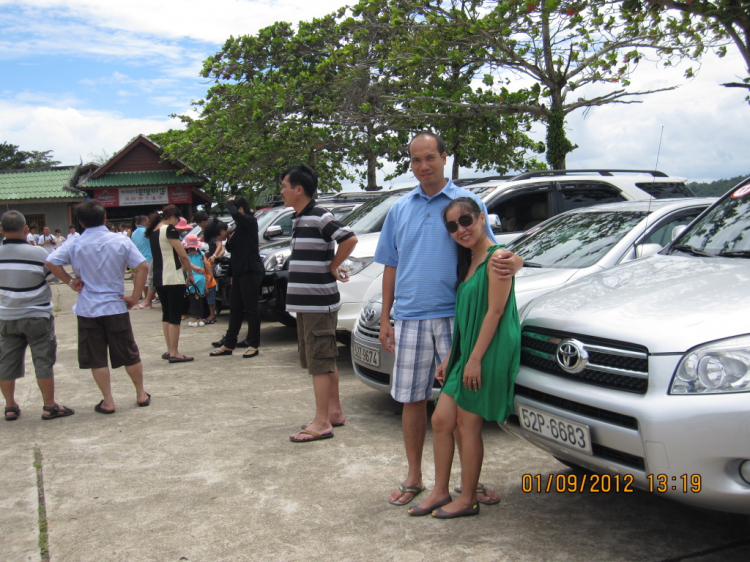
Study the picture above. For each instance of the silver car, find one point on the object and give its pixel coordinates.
(641, 373)
(569, 246)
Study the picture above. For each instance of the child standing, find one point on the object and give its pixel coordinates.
(198, 305)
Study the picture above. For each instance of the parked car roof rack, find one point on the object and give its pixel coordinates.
(603, 172)
(463, 182)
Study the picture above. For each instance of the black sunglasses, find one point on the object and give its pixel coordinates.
(464, 220)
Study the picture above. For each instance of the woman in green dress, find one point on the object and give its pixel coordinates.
(479, 373)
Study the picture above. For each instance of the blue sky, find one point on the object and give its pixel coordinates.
(82, 77)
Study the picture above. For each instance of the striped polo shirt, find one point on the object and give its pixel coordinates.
(312, 287)
(24, 292)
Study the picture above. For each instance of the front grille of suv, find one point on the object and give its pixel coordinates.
(369, 332)
(615, 365)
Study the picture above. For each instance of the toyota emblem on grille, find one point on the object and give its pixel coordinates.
(572, 356)
(369, 314)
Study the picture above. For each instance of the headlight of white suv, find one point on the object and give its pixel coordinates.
(355, 265)
(717, 368)
(275, 260)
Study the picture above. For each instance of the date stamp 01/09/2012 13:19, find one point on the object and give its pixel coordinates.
(608, 483)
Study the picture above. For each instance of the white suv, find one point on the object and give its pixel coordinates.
(515, 205)
(641, 373)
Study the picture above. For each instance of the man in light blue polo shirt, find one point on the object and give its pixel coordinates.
(420, 260)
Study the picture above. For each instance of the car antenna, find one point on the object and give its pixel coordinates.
(653, 180)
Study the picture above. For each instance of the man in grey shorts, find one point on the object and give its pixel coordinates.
(26, 318)
(313, 294)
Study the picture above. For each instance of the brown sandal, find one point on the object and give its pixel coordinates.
(57, 411)
(15, 412)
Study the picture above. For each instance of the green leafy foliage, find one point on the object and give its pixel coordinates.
(716, 188)
(13, 159)
(699, 24)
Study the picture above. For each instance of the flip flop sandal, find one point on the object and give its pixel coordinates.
(422, 511)
(165, 355)
(439, 513)
(212, 321)
(480, 490)
(220, 352)
(15, 410)
(98, 408)
(413, 490)
(57, 411)
(146, 402)
(183, 359)
(333, 424)
(315, 436)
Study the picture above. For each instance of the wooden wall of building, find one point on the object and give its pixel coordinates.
(141, 159)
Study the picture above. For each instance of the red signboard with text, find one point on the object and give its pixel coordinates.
(107, 197)
(128, 196)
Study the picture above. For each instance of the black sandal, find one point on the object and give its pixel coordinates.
(220, 352)
(15, 410)
(57, 411)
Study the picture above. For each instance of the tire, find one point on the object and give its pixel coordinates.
(287, 320)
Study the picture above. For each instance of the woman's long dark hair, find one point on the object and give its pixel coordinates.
(166, 212)
(213, 227)
(467, 205)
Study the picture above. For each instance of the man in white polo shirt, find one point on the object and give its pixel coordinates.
(98, 258)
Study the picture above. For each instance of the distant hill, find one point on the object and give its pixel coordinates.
(715, 188)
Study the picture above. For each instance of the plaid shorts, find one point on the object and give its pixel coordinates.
(421, 345)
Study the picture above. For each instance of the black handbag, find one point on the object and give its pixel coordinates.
(195, 305)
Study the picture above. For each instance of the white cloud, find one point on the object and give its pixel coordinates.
(205, 21)
(72, 133)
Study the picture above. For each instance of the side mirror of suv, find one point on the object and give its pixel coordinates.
(272, 231)
(643, 250)
(494, 222)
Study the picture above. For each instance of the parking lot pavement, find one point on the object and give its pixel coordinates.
(207, 473)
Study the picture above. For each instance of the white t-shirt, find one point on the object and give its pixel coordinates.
(31, 239)
(48, 247)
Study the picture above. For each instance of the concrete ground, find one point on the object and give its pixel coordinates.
(207, 473)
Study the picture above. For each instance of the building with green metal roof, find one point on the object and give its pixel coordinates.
(45, 196)
(136, 180)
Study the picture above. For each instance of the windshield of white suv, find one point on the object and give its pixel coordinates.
(575, 240)
(268, 217)
(723, 231)
(371, 216)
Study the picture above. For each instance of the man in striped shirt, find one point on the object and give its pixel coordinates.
(26, 318)
(313, 294)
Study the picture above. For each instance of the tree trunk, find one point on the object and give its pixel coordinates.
(558, 145)
(372, 167)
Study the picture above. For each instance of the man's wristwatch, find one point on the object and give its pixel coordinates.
(70, 283)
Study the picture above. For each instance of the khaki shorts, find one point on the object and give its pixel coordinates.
(150, 278)
(16, 335)
(316, 336)
(95, 335)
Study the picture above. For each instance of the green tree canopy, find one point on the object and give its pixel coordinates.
(538, 58)
(13, 159)
(727, 21)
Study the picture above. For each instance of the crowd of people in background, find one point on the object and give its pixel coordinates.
(455, 318)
